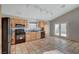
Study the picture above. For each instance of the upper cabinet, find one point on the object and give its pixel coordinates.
(16, 20)
(41, 24)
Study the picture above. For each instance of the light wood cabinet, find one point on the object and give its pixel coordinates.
(16, 20)
(41, 24)
(30, 36)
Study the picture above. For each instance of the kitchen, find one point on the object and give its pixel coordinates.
(33, 30)
(36, 28)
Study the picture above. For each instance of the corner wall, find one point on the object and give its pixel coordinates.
(72, 20)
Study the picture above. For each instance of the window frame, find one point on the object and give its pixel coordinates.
(57, 34)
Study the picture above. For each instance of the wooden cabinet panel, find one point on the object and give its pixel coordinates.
(15, 21)
(41, 24)
(30, 36)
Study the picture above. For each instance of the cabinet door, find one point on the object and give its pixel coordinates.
(41, 24)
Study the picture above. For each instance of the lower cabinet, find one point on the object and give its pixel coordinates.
(30, 36)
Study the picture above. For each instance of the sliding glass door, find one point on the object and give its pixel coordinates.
(57, 29)
(61, 30)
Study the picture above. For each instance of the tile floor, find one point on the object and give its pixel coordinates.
(48, 45)
(53, 52)
(36, 47)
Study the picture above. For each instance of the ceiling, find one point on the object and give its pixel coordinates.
(37, 11)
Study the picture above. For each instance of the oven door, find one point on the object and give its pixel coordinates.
(19, 36)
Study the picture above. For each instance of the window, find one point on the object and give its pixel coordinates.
(32, 26)
(56, 29)
(63, 30)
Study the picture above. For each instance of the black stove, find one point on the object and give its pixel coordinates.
(19, 36)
